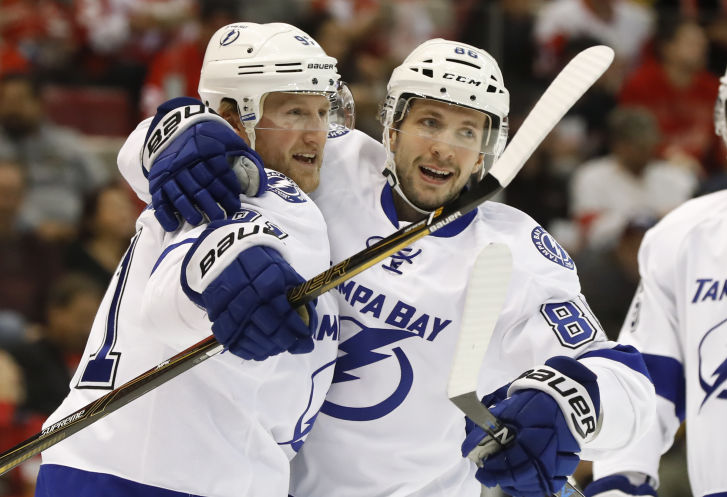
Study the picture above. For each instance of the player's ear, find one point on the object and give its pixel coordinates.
(393, 137)
(479, 164)
(228, 111)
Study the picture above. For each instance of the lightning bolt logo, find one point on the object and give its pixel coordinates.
(713, 362)
(303, 426)
(360, 351)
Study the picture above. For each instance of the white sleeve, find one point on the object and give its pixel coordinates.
(129, 161)
(652, 326)
(546, 316)
(193, 258)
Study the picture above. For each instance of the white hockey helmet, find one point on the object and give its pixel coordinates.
(720, 117)
(454, 73)
(245, 61)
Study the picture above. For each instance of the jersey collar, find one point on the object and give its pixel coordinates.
(452, 229)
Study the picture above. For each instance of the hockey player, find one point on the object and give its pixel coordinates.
(386, 427)
(230, 426)
(679, 320)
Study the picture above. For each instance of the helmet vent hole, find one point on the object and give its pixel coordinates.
(249, 50)
(428, 73)
(296, 67)
(492, 89)
(252, 69)
(473, 98)
(463, 62)
(443, 90)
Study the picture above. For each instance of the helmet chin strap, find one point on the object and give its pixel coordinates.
(393, 181)
(250, 132)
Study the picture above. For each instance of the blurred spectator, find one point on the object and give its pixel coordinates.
(27, 264)
(120, 38)
(58, 167)
(624, 25)
(11, 60)
(174, 71)
(44, 32)
(608, 191)
(46, 361)
(680, 92)
(53, 351)
(107, 224)
(609, 275)
(15, 426)
(504, 28)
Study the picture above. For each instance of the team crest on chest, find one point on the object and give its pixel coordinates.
(550, 249)
(397, 260)
(284, 187)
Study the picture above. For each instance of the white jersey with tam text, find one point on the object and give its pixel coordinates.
(678, 319)
(225, 428)
(387, 427)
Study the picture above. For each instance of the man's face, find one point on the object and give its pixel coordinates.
(20, 109)
(291, 134)
(436, 150)
(12, 188)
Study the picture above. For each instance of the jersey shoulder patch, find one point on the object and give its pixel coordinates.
(551, 249)
(284, 187)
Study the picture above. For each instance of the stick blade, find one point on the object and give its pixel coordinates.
(567, 87)
(484, 300)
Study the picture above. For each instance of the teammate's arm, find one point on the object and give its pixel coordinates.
(233, 275)
(195, 163)
(650, 325)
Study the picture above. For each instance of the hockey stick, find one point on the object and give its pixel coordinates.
(568, 86)
(485, 297)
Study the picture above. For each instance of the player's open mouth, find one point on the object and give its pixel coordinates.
(435, 174)
(306, 158)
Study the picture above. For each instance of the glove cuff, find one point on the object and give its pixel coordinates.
(171, 125)
(573, 398)
(220, 244)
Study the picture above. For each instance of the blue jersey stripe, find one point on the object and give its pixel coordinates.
(668, 377)
(625, 354)
(169, 249)
(62, 481)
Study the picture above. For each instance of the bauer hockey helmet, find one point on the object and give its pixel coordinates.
(720, 116)
(246, 61)
(454, 73)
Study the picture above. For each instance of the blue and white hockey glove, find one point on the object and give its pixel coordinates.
(552, 409)
(235, 271)
(249, 310)
(197, 164)
(618, 486)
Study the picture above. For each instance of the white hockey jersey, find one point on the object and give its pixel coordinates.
(678, 319)
(225, 428)
(387, 428)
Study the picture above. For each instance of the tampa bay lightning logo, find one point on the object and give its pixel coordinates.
(404, 255)
(336, 130)
(550, 249)
(360, 351)
(305, 422)
(713, 362)
(284, 187)
(230, 37)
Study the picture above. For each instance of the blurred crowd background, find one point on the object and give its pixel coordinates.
(76, 77)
